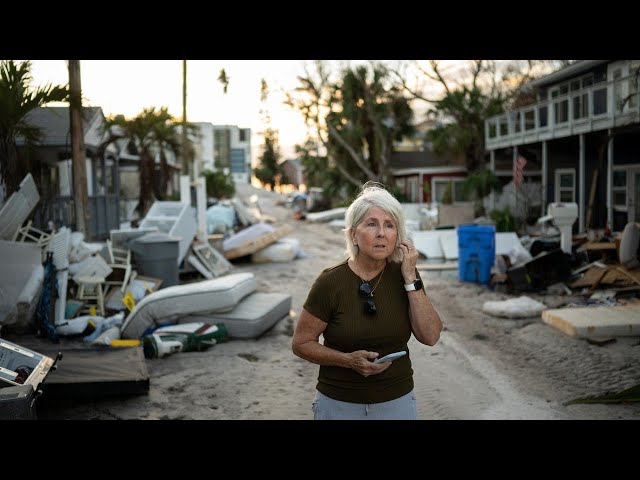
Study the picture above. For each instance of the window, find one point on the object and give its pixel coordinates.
(237, 160)
(634, 79)
(440, 185)
(561, 107)
(620, 189)
(580, 106)
(529, 120)
(413, 189)
(565, 187)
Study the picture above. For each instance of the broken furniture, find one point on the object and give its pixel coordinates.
(120, 262)
(17, 208)
(541, 271)
(90, 292)
(29, 233)
(175, 219)
(90, 279)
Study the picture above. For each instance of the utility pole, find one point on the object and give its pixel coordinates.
(80, 198)
(185, 162)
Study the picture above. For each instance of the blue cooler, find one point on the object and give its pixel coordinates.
(476, 252)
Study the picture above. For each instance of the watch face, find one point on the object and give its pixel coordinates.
(418, 284)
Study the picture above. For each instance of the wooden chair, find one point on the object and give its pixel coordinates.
(90, 292)
(120, 262)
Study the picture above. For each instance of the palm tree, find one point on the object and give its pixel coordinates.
(165, 132)
(478, 185)
(149, 131)
(140, 131)
(17, 99)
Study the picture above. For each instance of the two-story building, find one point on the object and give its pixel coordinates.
(223, 147)
(581, 139)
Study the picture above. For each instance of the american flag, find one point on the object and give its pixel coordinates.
(518, 167)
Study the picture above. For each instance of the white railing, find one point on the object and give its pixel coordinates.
(582, 110)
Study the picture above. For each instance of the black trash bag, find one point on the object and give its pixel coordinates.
(45, 312)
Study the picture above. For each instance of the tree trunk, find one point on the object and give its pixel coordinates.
(81, 201)
(146, 184)
(9, 166)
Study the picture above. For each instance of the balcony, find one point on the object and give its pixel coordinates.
(597, 107)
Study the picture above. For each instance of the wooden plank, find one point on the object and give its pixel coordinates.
(633, 275)
(595, 321)
(598, 246)
(252, 246)
(590, 277)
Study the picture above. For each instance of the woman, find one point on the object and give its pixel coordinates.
(366, 307)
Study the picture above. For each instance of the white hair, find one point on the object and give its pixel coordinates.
(374, 194)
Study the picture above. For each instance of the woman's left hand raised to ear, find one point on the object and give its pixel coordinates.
(409, 260)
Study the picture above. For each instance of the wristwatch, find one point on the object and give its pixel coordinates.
(417, 285)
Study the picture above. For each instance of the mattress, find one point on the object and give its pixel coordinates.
(251, 318)
(168, 304)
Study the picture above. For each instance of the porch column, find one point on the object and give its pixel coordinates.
(515, 187)
(492, 167)
(185, 189)
(201, 208)
(116, 183)
(544, 178)
(421, 183)
(610, 182)
(581, 205)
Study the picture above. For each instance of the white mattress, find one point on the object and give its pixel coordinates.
(167, 305)
(252, 317)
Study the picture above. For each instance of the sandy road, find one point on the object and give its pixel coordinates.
(482, 368)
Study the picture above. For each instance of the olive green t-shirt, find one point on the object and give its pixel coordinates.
(335, 299)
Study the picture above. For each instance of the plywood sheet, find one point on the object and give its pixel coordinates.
(595, 321)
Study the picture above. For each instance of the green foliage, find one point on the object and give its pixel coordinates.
(17, 99)
(468, 108)
(399, 194)
(355, 119)
(219, 185)
(505, 221)
(269, 168)
(478, 185)
(265, 175)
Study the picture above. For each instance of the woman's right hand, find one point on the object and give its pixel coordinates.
(362, 362)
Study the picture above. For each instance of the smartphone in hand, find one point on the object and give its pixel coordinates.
(391, 357)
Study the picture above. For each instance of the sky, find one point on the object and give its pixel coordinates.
(127, 86)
